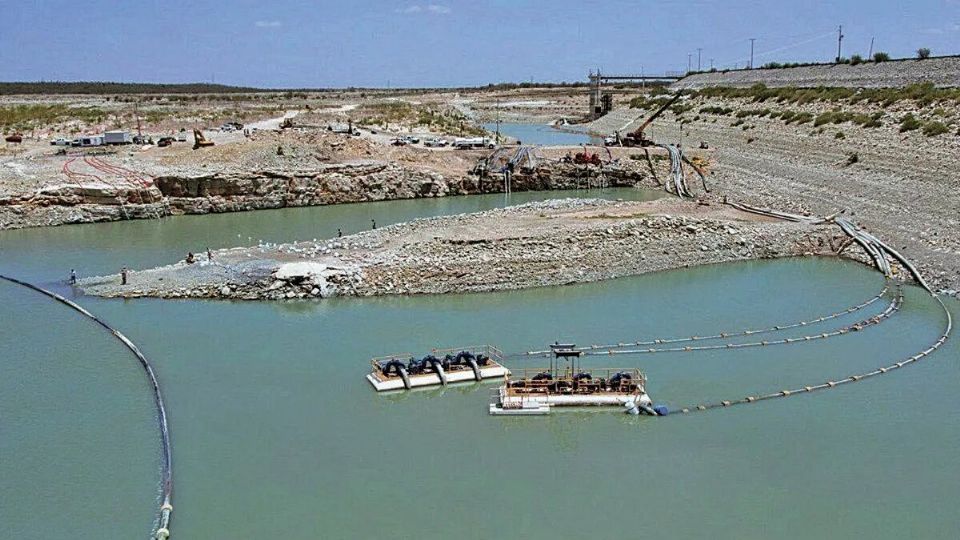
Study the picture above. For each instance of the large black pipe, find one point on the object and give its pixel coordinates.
(166, 508)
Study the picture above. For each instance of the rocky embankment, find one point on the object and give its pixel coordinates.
(943, 71)
(900, 185)
(239, 190)
(538, 244)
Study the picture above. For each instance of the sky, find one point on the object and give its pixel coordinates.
(370, 43)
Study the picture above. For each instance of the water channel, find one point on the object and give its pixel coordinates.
(542, 134)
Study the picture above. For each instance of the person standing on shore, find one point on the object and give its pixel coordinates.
(209, 255)
(374, 222)
(73, 276)
(123, 275)
(339, 233)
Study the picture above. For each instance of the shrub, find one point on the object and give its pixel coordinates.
(801, 118)
(923, 52)
(909, 123)
(880, 57)
(722, 111)
(832, 117)
(856, 59)
(934, 128)
(29, 116)
(868, 121)
(839, 135)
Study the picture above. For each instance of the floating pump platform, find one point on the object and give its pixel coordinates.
(537, 391)
(440, 367)
(533, 392)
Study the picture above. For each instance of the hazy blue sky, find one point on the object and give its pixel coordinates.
(440, 42)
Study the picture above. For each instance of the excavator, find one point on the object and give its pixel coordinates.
(638, 137)
(199, 141)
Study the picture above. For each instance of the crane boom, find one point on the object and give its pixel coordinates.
(638, 133)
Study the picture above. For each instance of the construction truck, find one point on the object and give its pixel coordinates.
(638, 137)
(199, 141)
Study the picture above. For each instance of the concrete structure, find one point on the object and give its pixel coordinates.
(602, 102)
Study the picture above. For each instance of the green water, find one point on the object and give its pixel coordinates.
(276, 434)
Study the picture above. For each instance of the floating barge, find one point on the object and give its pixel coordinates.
(440, 367)
(536, 392)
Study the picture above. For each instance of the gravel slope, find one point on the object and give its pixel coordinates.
(537, 244)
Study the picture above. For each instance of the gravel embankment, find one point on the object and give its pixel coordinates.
(537, 244)
(903, 187)
(943, 71)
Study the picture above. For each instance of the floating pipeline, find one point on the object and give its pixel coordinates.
(166, 507)
(894, 306)
(723, 335)
(948, 327)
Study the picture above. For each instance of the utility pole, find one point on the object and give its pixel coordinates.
(839, 41)
(689, 57)
(498, 120)
(751, 51)
(870, 54)
(136, 111)
(699, 50)
(711, 64)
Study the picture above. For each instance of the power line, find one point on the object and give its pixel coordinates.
(745, 59)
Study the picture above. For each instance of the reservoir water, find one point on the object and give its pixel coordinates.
(543, 134)
(277, 434)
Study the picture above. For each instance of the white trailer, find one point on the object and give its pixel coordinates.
(117, 136)
(473, 142)
(89, 140)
